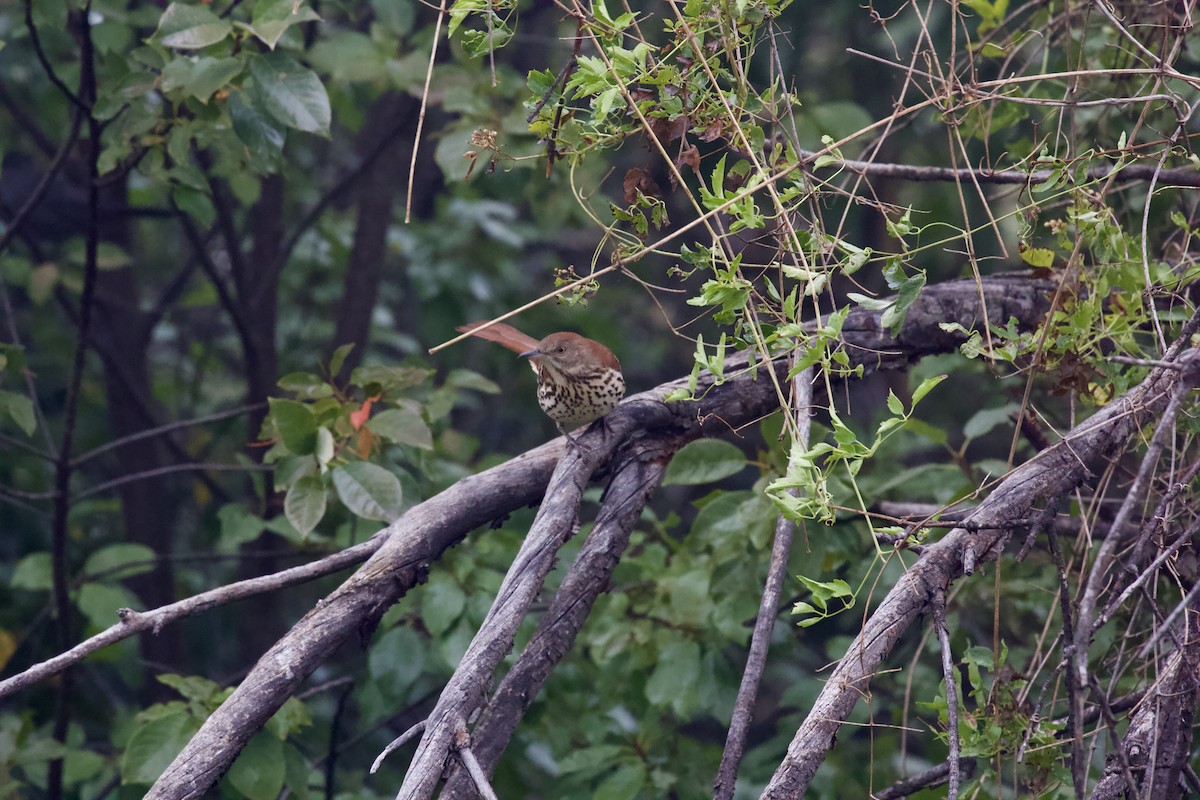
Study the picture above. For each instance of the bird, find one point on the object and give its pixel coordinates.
(579, 380)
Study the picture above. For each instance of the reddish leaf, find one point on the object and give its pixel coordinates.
(359, 418)
(689, 156)
(639, 180)
(366, 443)
(713, 132)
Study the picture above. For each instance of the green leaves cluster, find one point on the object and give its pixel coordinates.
(996, 724)
(354, 440)
(804, 492)
(226, 85)
(15, 407)
(268, 763)
(97, 592)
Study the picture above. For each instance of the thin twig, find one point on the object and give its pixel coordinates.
(169, 469)
(1074, 693)
(416, 148)
(938, 606)
(163, 429)
(934, 776)
(462, 743)
(1151, 570)
(764, 624)
(135, 622)
(1165, 626)
(1183, 176)
(1106, 553)
(60, 575)
(396, 743)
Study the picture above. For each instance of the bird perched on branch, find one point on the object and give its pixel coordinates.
(579, 379)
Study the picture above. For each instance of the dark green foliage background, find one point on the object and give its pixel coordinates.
(252, 220)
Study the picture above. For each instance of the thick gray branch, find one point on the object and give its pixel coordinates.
(1040, 481)
(642, 467)
(556, 522)
(428, 529)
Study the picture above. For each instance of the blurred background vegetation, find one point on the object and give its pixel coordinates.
(245, 173)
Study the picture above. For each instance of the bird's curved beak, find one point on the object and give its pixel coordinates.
(530, 353)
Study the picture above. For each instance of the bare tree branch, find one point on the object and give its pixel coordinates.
(642, 467)
(428, 529)
(1043, 479)
(135, 622)
(938, 606)
(764, 623)
(556, 522)
(1158, 743)
(1183, 176)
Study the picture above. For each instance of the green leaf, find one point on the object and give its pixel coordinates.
(906, 295)
(110, 562)
(33, 572)
(188, 27)
(195, 203)
(822, 592)
(296, 424)
(209, 75)
(402, 426)
(625, 782)
(704, 461)
(262, 138)
(369, 490)
(589, 758)
(926, 387)
(396, 18)
(198, 77)
(690, 596)
(894, 404)
(443, 603)
(469, 379)
(1038, 256)
(271, 18)
(304, 505)
(349, 56)
(195, 688)
(238, 526)
(987, 419)
(387, 378)
(155, 743)
(871, 303)
(292, 717)
(397, 659)
(258, 771)
(49, 14)
(326, 448)
(339, 358)
(291, 93)
(931, 432)
(42, 281)
(305, 386)
(99, 602)
(20, 410)
(678, 666)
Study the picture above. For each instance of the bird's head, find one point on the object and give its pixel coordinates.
(570, 354)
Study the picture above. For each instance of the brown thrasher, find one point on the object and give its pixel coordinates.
(579, 379)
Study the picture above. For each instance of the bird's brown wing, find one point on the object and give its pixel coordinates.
(505, 335)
